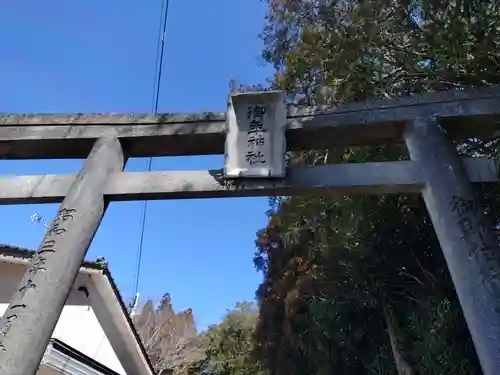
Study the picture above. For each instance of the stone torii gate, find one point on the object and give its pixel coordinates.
(427, 124)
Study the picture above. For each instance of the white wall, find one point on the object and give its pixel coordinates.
(78, 326)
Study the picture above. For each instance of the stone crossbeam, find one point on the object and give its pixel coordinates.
(383, 177)
(39, 136)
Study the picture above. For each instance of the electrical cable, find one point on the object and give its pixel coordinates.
(160, 48)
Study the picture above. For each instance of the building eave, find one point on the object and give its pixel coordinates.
(67, 360)
(108, 306)
(104, 295)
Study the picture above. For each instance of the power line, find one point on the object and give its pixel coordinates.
(159, 66)
(160, 48)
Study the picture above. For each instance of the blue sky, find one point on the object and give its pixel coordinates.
(98, 56)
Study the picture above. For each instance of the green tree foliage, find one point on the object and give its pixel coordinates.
(228, 346)
(174, 346)
(358, 285)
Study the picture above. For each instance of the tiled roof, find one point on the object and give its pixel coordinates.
(23, 253)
